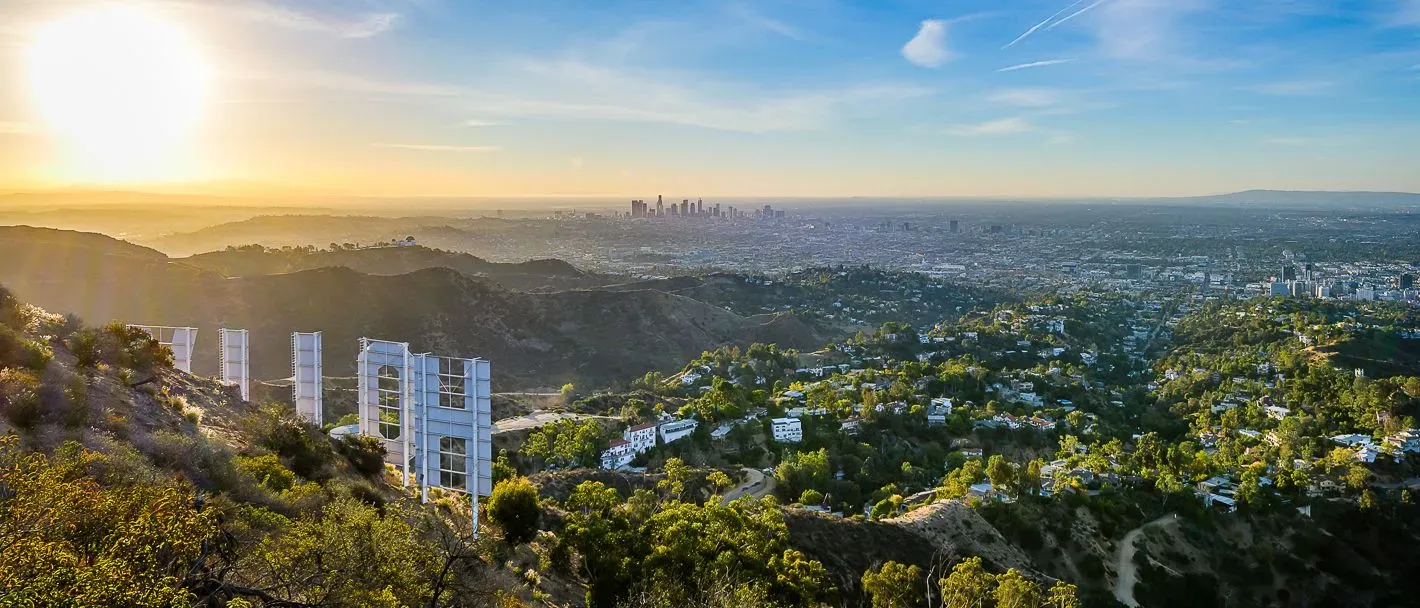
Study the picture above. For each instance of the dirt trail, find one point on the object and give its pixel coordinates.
(1124, 567)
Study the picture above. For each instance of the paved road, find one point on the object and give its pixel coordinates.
(1124, 561)
(537, 419)
(757, 485)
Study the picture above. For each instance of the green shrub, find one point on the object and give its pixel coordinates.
(302, 446)
(76, 411)
(364, 453)
(18, 351)
(268, 470)
(811, 497)
(84, 343)
(19, 397)
(514, 508)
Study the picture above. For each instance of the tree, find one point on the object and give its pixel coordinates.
(514, 507)
(68, 540)
(1001, 472)
(567, 391)
(720, 480)
(348, 553)
(1062, 595)
(801, 471)
(968, 586)
(566, 443)
(1016, 591)
(893, 585)
(503, 468)
(1168, 484)
(677, 473)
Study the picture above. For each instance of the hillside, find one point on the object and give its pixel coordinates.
(129, 483)
(530, 275)
(310, 229)
(535, 339)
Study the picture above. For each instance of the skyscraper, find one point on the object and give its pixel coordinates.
(700, 206)
(1289, 272)
(660, 206)
(955, 226)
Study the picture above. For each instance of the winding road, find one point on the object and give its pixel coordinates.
(1127, 572)
(756, 485)
(539, 418)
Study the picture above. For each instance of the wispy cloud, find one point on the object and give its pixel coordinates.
(1289, 141)
(1034, 64)
(1145, 29)
(483, 123)
(1407, 13)
(928, 48)
(572, 88)
(1004, 126)
(1295, 88)
(363, 25)
(577, 162)
(1037, 26)
(1025, 97)
(1059, 139)
(759, 20)
(438, 148)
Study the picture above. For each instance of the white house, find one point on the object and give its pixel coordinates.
(618, 455)
(678, 429)
(642, 437)
(1277, 412)
(937, 412)
(788, 430)
(722, 431)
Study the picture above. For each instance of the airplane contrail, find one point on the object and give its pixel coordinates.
(1041, 24)
(1076, 14)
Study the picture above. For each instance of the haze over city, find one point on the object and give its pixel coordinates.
(812, 98)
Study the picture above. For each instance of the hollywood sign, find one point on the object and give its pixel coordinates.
(432, 413)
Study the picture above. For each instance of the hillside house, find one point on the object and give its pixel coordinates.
(787, 430)
(642, 437)
(678, 429)
(938, 410)
(618, 455)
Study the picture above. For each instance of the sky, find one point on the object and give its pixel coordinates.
(809, 98)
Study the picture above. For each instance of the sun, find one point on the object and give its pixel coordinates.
(121, 86)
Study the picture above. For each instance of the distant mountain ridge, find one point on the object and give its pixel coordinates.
(252, 261)
(1309, 197)
(534, 339)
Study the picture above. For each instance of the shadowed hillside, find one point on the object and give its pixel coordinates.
(255, 260)
(534, 339)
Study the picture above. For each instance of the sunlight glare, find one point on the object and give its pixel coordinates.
(122, 86)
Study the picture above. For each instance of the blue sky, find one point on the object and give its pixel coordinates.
(789, 97)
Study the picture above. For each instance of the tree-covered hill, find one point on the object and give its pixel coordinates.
(591, 337)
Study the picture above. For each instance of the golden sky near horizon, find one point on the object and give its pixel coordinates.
(476, 98)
